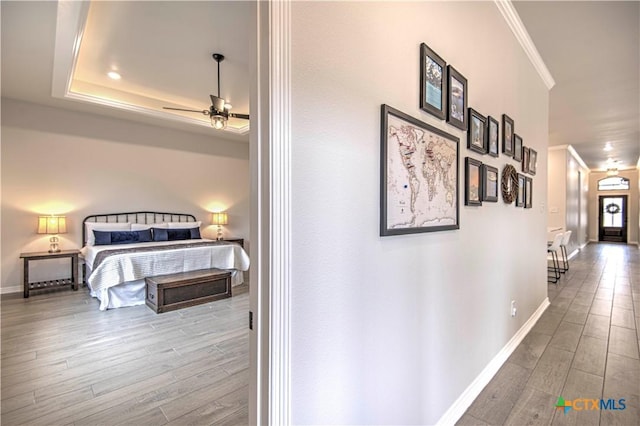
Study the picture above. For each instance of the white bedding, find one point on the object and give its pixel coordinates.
(130, 269)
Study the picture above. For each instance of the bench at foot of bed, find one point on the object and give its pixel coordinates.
(175, 291)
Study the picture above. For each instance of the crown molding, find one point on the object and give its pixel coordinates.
(575, 155)
(513, 20)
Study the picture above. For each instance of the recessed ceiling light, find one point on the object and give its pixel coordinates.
(114, 75)
(608, 147)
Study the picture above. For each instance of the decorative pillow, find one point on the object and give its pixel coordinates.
(173, 234)
(179, 225)
(143, 226)
(121, 237)
(103, 226)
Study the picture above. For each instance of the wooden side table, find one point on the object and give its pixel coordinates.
(41, 285)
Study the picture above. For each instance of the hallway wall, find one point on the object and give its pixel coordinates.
(393, 330)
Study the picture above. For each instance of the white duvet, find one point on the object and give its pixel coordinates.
(126, 267)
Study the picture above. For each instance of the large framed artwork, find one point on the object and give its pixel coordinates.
(457, 99)
(489, 183)
(472, 182)
(493, 129)
(507, 135)
(433, 82)
(418, 176)
(477, 135)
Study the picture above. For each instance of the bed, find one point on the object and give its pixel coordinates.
(121, 249)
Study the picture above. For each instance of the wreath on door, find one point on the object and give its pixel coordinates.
(612, 208)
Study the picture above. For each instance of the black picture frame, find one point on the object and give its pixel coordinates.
(521, 185)
(517, 147)
(508, 130)
(525, 159)
(533, 160)
(490, 178)
(477, 134)
(528, 193)
(457, 98)
(493, 135)
(433, 82)
(472, 182)
(404, 159)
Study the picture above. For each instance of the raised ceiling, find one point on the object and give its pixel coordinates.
(163, 51)
(592, 49)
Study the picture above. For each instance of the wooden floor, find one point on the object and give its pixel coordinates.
(586, 345)
(64, 362)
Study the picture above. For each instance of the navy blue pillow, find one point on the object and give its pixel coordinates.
(121, 237)
(164, 234)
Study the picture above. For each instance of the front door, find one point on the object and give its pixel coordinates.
(613, 218)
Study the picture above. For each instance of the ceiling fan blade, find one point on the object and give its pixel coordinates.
(243, 116)
(201, 111)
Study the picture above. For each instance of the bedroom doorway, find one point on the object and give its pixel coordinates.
(612, 222)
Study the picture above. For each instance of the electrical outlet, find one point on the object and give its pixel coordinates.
(514, 310)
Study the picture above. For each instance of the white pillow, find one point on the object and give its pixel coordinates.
(145, 226)
(183, 225)
(103, 226)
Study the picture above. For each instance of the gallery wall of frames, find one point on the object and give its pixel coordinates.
(430, 157)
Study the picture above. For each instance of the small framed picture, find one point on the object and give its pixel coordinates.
(507, 135)
(528, 193)
(493, 129)
(517, 147)
(457, 99)
(533, 159)
(489, 184)
(433, 84)
(521, 184)
(525, 159)
(473, 182)
(477, 135)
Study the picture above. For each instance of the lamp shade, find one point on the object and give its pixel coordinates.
(219, 218)
(52, 225)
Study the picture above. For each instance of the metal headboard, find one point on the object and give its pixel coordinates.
(135, 217)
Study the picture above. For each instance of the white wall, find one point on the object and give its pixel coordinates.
(632, 213)
(557, 187)
(62, 162)
(392, 330)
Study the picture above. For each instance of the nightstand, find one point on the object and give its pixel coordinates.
(235, 240)
(42, 285)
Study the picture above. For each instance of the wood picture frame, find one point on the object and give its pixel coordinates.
(508, 130)
(521, 185)
(490, 178)
(493, 132)
(528, 193)
(472, 182)
(457, 98)
(413, 153)
(525, 159)
(477, 134)
(433, 83)
(517, 147)
(533, 160)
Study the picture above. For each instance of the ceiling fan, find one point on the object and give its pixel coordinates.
(219, 109)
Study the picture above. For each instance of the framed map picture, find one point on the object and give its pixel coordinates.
(418, 176)
(493, 129)
(457, 108)
(433, 84)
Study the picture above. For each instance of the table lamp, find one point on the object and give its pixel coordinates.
(52, 225)
(219, 219)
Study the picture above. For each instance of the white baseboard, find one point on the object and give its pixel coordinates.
(460, 406)
(574, 253)
(11, 289)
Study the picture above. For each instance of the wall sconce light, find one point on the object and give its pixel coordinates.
(52, 225)
(613, 171)
(219, 219)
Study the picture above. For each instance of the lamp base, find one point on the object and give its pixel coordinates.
(54, 247)
(219, 235)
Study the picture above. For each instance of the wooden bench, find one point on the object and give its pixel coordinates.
(175, 291)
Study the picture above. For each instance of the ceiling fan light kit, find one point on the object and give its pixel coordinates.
(219, 109)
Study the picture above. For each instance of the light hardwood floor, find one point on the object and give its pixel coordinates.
(586, 345)
(64, 362)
